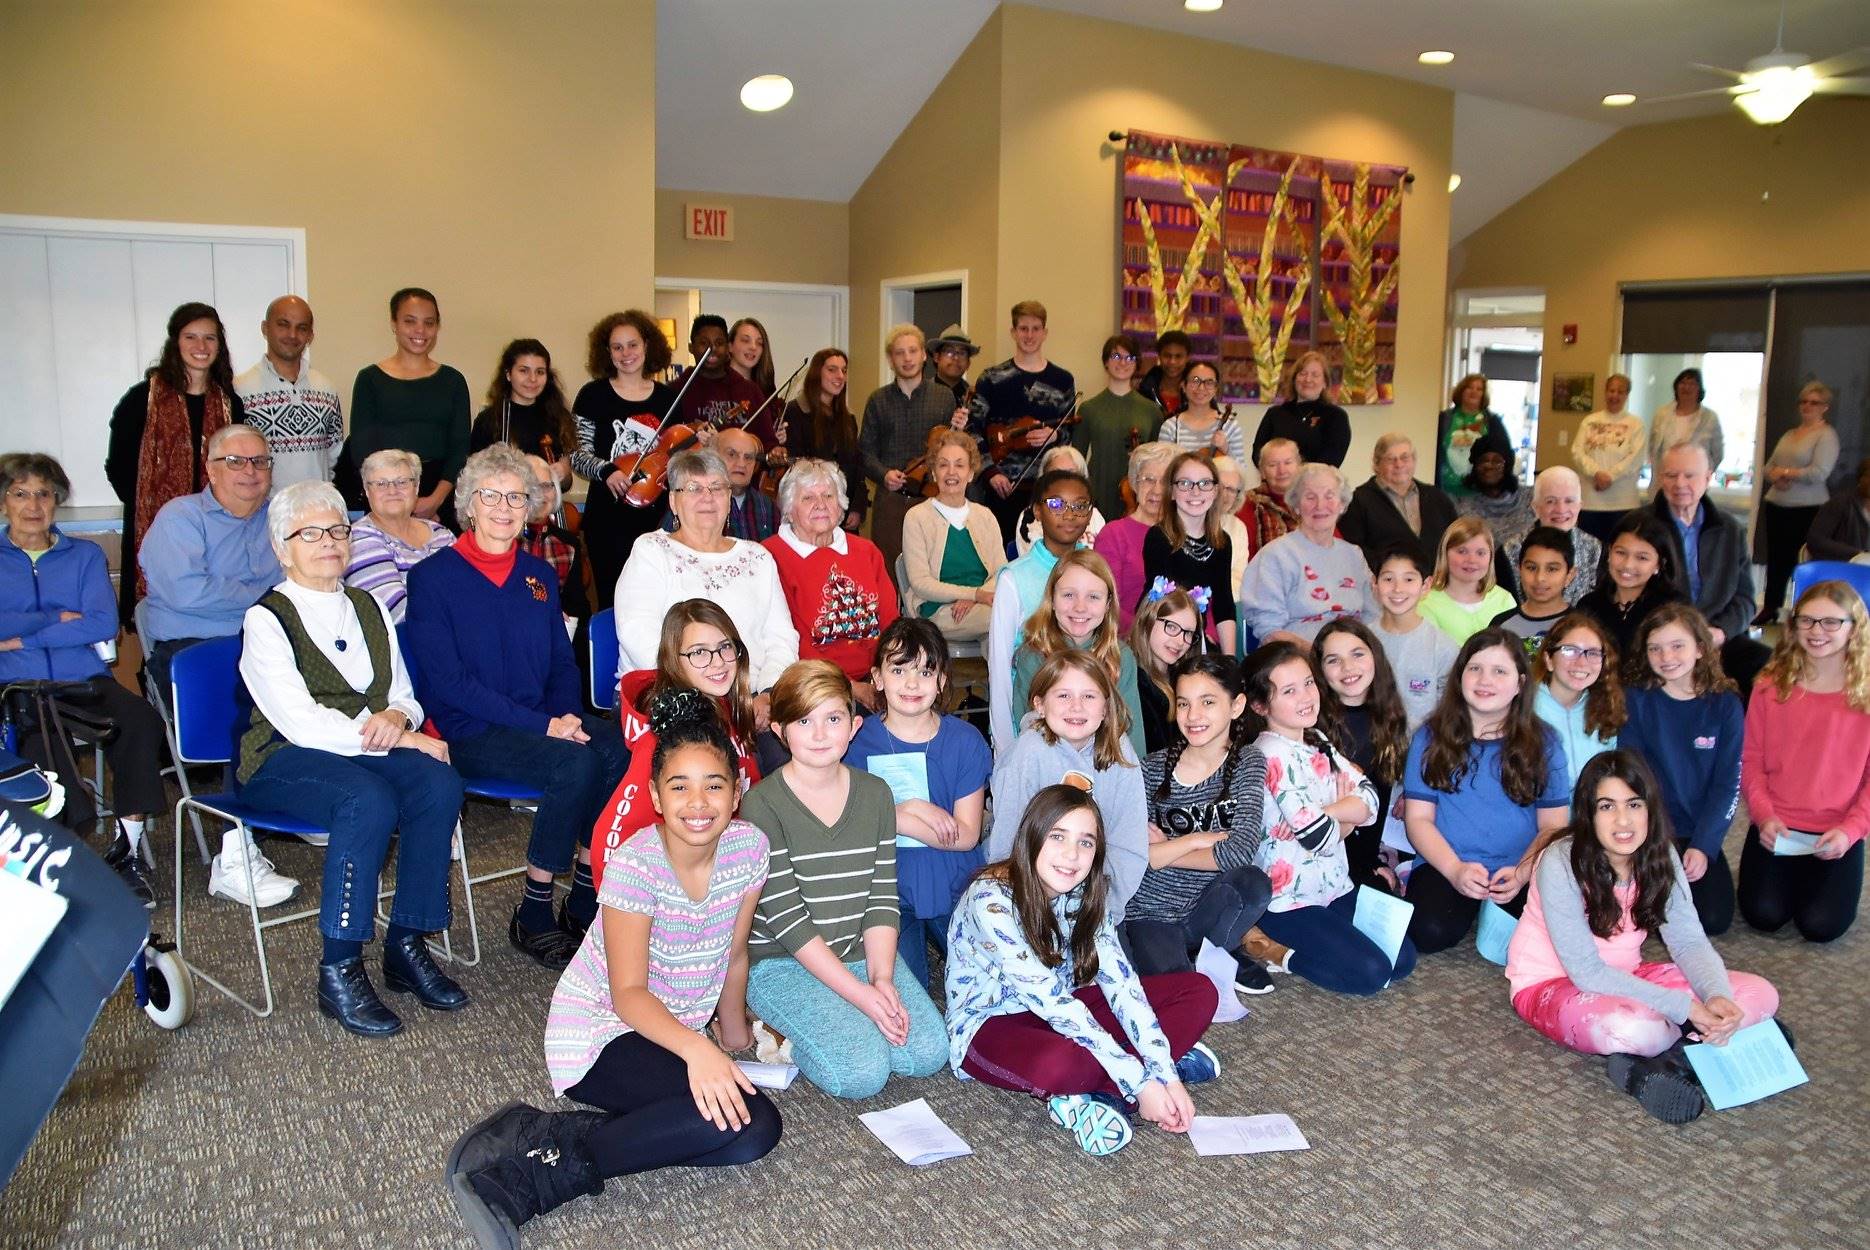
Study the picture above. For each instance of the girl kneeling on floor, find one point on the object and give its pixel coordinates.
(627, 1028)
(1042, 1000)
(1601, 886)
(1314, 798)
(826, 972)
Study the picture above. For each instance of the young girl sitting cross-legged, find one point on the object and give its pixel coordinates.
(627, 1028)
(1042, 1000)
(826, 972)
(1601, 886)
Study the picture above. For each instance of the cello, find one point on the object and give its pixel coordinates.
(647, 471)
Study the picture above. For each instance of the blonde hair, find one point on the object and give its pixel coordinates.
(1791, 665)
(1171, 522)
(1145, 455)
(390, 458)
(1386, 442)
(1045, 638)
(1107, 744)
(904, 330)
(1815, 387)
(1463, 529)
(806, 684)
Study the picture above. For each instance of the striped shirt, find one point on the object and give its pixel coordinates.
(826, 881)
(1170, 893)
(380, 561)
(690, 943)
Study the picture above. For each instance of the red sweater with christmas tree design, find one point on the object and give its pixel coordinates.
(841, 598)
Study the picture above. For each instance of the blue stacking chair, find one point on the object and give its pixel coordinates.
(601, 648)
(1814, 571)
(204, 685)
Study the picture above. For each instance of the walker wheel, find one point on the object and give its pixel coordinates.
(171, 989)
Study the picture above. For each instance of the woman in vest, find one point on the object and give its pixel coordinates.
(333, 739)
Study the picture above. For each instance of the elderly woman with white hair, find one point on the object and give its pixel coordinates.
(495, 670)
(333, 738)
(390, 539)
(1300, 581)
(700, 560)
(1065, 456)
(1557, 500)
(837, 584)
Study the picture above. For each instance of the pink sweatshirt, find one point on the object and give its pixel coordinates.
(1806, 762)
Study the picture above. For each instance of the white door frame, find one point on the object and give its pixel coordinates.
(840, 295)
(896, 301)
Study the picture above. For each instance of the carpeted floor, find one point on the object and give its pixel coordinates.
(1436, 1120)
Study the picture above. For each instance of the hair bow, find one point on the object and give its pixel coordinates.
(1162, 587)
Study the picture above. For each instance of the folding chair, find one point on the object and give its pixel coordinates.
(161, 699)
(490, 789)
(204, 681)
(601, 648)
(969, 679)
(1814, 571)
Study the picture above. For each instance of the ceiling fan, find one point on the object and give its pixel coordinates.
(1773, 85)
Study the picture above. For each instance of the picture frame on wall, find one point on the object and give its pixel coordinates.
(1574, 392)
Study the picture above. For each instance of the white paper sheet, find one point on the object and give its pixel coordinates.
(915, 1134)
(1245, 1134)
(1792, 842)
(28, 914)
(769, 1075)
(1219, 967)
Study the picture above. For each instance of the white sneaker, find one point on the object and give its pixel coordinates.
(228, 877)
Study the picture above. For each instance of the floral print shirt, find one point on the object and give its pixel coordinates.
(993, 972)
(1302, 853)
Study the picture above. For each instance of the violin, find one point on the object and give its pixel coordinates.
(646, 472)
(1004, 439)
(1125, 491)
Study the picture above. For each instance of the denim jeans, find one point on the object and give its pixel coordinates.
(836, 1046)
(575, 777)
(362, 800)
(1231, 904)
(912, 942)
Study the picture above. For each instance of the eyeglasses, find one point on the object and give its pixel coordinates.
(316, 533)
(706, 657)
(19, 494)
(1192, 383)
(1594, 655)
(1126, 357)
(391, 483)
(1055, 504)
(696, 490)
(241, 462)
(1829, 624)
(1174, 632)
(512, 498)
(1200, 487)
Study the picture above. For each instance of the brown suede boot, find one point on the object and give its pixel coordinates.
(1276, 957)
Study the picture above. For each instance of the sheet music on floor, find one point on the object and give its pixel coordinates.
(1222, 970)
(769, 1075)
(915, 1134)
(1245, 1134)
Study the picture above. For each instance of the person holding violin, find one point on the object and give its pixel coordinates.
(720, 396)
(1023, 404)
(818, 425)
(952, 550)
(1202, 424)
(1116, 421)
(619, 415)
(526, 407)
(749, 354)
(751, 514)
(898, 417)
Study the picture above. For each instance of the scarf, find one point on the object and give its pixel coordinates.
(1266, 517)
(495, 569)
(543, 540)
(167, 467)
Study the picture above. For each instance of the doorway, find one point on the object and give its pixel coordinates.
(1501, 335)
(929, 301)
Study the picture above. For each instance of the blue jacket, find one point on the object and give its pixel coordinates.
(489, 655)
(71, 577)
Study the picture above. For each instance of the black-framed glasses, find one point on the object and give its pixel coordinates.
(727, 652)
(1055, 504)
(1828, 624)
(241, 462)
(512, 498)
(1200, 487)
(1174, 631)
(1570, 651)
(1192, 383)
(316, 533)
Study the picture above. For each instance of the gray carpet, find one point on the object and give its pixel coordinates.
(1436, 1119)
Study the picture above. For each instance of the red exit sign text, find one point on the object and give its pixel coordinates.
(712, 222)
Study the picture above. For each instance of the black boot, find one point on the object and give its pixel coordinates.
(346, 995)
(129, 865)
(554, 947)
(518, 1163)
(408, 968)
(1670, 1090)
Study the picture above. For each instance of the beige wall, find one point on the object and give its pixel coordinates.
(775, 240)
(1714, 197)
(930, 205)
(458, 147)
(1071, 80)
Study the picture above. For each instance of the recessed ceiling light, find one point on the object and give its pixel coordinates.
(1619, 99)
(766, 93)
(1436, 57)
(1454, 183)
(1201, 6)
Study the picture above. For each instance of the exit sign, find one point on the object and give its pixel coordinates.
(713, 222)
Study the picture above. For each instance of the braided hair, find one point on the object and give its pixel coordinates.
(1225, 673)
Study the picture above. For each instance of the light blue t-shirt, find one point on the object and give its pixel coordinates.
(1482, 825)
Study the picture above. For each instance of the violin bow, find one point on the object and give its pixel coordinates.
(1038, 453)
(675, 405)
(781, 389)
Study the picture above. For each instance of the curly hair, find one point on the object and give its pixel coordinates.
(1709, 677)
(1451, 756)
(656, 353)
(1790, 664)
(1604, 710)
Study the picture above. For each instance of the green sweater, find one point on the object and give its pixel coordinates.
(1026, 665)
(427, 416)
(829, 882)
(1103, 435)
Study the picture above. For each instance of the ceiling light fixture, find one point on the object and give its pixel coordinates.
(1201, 6)
(1454, 183)
(1619, 99)
(1777, 90)
(766, 93)
(1436, 57)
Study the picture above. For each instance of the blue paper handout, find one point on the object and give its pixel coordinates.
(1496, 930)
(1756, 1063)
(1383, 918)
